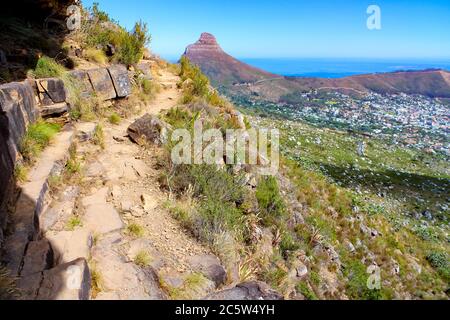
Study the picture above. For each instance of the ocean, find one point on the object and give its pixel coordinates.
(339, 68)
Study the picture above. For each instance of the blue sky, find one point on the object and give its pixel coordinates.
(293, 28)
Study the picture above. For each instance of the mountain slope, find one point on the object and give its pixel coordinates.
(220, 67)
(226, 71)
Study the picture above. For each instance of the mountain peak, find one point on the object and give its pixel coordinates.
(207, 38)
(220, 67)
(206, 43)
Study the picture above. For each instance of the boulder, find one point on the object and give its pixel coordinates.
(210, 267)
(54, 110)
(39, 257)
(145, 67)
(70, 281)
(149, 128)
(17, 111)
(83, 82)
(70, 245)
(254, 290)
(51, 91)
(120, 79)
(102, 83)
(86, 131)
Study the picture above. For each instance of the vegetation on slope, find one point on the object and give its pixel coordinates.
(335, 233)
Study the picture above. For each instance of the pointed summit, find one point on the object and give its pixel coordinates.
(220, 67)
(207, 42)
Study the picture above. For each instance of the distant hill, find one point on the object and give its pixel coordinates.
(228, 72)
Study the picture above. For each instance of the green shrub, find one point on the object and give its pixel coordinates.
(98, 14)
(95, 55)
(200, 83)
(131, 45)
(114, 118)
(48, 68)
(142, 259)
(439, 261)
(99, 136)
(357, 288)
(135, 230)
(148, 89)
(306, 291)
(73, 223)
(38, 136)
(269, 199)
(288, 243)
(20, 172)
(219, 192)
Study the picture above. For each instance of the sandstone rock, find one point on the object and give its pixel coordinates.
(140, 167)
(29, 286)
(210, 267)
(120, 79)
(102, 83)
(51, 91)
(148, 202)
(116, 192)
(102, 218)
(59, 212)
(70, 281)
(39, 257)
(85, 131)
(350, 247)
(118, 275)
(301, 270)
(138, 245)
(149, 128)
(54, 110)
(70, 245)
(126, 205)
(17, 110)
(83, 81)
(95, 169)
(254, 290)
(145, 67)
(99, 197)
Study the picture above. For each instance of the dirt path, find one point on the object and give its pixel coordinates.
(120, 189)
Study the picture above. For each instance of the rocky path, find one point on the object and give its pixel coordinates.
(119, 223)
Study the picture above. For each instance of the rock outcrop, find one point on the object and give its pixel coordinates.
(149, 128)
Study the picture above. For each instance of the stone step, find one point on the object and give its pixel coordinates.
(102, 218)
(70, 281)
(31, 202)
(54, 110)
(57, 214)
(39, 257)
(70, 245)
(85, 131)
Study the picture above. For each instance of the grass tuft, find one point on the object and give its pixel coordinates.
(142, 259)
(48, 68)
(38, 137)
